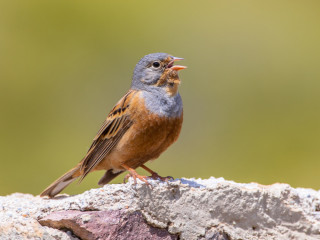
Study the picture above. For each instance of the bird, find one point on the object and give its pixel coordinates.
(141, 126)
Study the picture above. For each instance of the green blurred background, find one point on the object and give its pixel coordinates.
(251, 92)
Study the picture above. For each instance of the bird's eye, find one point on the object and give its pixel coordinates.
(156, 64)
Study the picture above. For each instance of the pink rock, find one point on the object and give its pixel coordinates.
(105, 225)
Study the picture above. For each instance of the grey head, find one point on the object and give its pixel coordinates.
(157, 77)
(151, 68)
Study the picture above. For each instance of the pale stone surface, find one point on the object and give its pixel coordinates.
(188, 208)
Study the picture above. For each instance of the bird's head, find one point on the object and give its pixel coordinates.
(157, 70)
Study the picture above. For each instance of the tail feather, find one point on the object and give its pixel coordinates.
(107, 177)
(62, 182)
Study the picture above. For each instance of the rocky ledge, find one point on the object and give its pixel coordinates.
(181, 209)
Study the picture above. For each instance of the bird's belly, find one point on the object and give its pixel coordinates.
(145, 140)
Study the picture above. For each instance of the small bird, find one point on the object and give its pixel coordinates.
(142, 125)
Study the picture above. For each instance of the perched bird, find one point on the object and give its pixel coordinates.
(143, 124)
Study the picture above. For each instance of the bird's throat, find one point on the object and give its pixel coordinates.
(172, 87)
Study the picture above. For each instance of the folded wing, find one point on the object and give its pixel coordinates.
(111, 131)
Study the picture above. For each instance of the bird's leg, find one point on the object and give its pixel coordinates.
(155, 175)
(134, 174)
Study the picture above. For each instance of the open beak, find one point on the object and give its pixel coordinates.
(177, 59)
(176, 67)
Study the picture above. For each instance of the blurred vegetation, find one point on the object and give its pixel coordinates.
(251, 92)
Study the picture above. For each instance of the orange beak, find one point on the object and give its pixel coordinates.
(177, 67)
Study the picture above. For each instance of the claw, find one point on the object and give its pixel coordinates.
(156, 176)
(126, 177)
(132, 173)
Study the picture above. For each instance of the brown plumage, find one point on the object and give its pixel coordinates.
(130, 136)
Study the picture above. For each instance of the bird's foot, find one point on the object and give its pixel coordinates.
(135, 176)
(156, 176)
(132, 173)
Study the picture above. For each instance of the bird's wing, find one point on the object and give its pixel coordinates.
(111, 131)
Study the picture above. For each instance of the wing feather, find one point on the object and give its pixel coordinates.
(111, 131)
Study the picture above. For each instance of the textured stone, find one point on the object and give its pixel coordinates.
(108, 225)
(186, 208)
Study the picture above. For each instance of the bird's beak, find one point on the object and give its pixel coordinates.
(177, 67)
(177, 59)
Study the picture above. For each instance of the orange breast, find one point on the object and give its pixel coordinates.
(147, 138)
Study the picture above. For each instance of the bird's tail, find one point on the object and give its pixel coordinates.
(108, 176)
(62, 182)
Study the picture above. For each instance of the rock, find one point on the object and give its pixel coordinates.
(213, 209)
(113, 224)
